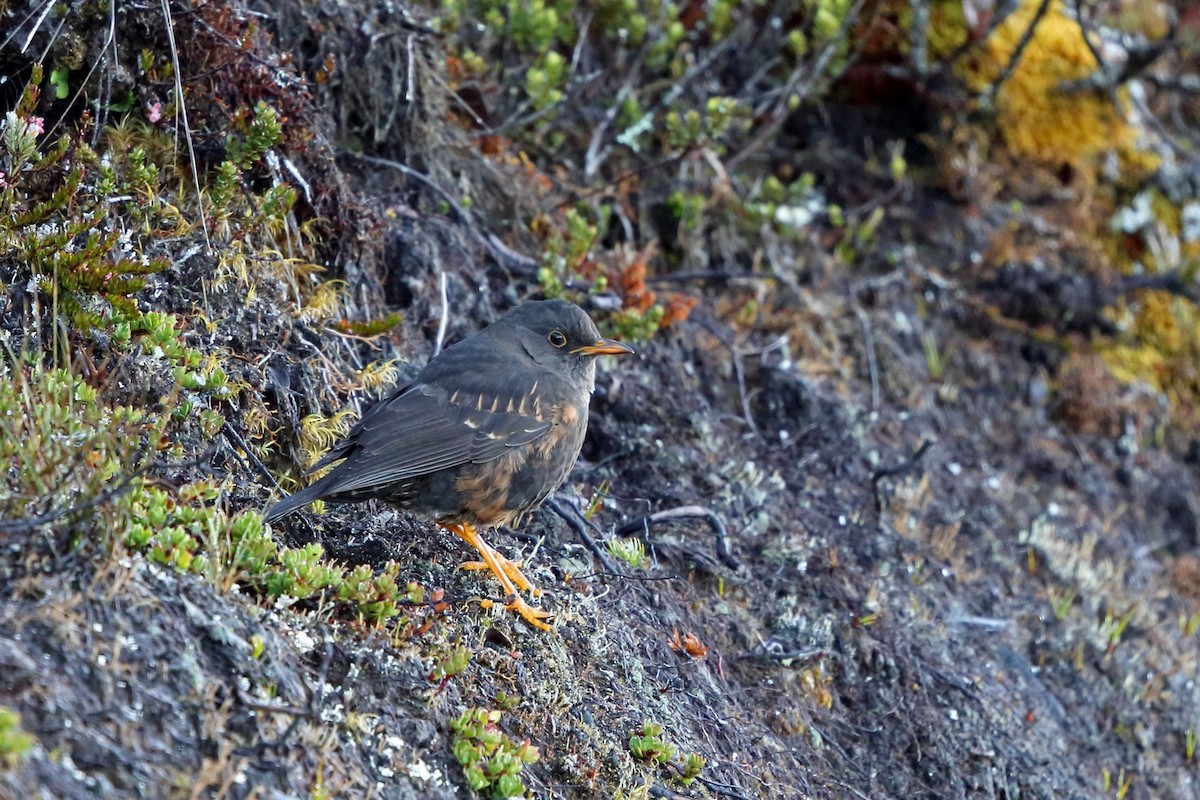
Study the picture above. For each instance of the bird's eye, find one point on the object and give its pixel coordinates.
(558, 339)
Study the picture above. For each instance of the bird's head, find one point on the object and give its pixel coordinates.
(559, 336)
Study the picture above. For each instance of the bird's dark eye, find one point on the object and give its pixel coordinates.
(558, 339)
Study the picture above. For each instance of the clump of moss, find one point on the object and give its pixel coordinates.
(14, 742)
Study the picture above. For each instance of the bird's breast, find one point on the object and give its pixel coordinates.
(504, 489)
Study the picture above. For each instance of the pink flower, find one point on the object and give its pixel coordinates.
(154, 112)
(36, 125)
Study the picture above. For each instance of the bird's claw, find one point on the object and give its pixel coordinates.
(507, 573)
(531, 614)
(512, 569)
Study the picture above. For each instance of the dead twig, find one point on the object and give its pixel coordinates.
(723, 549)
(181, 107)
(228, 432)
(573, 518)
(275, 708)
(909, 464)
(710, 275)
(872, 367)
(445, 316)
(1015, 59)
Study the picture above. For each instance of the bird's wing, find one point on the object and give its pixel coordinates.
(430, 426)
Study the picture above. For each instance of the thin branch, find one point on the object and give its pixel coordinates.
(571, 517)
(909, 464)
(182, 112)
(872, 368)
(445, 317)
(709, 275)
(37, 25)
(274, 708)
(723, 548)
(1015, 59)
(228, 431)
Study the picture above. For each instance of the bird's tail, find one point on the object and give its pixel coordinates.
(293, 502)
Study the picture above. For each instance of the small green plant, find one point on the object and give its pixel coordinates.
(544, 80)
(596, 501)
(630, 550)
(1189, 744)
(693, 763)
(1122, 785)
(857, 237)
(302, 573)
(451, 664)
(251, 548)
(565, 254)
(1062, 602)
(491, 761)
(262, 132)
(14, 742)
(648, 746)
(651, 749)
(376, 596)
(935, 359)
(1113, 628)
(235, 212)
(633, 325)
(688, 208)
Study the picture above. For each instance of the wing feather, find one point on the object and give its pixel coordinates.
(427, 427)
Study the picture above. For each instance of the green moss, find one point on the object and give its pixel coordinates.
(14, 742)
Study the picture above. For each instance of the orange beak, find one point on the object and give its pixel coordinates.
(604, 347)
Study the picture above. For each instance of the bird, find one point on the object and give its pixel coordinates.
(487, 430)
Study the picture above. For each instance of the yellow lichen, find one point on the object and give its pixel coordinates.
(1038, 119)
(947, 30)
(1166, 350)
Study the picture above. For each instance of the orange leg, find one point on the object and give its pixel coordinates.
(505, 571)
(511, 568)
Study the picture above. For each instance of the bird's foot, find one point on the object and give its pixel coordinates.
(507, 573)
(511, 568)
(531, 614)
